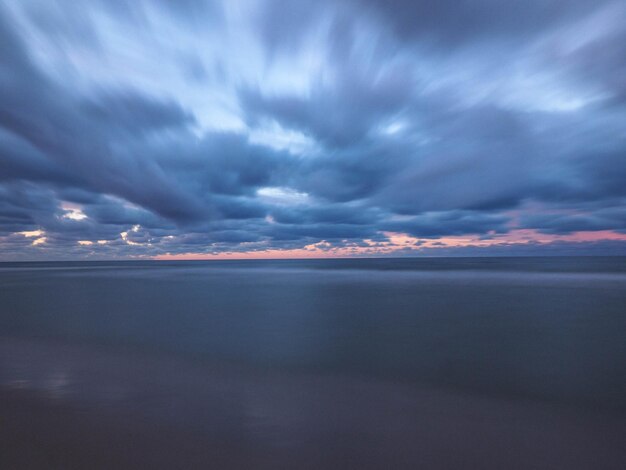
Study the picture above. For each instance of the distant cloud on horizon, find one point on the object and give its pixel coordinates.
(273, 128)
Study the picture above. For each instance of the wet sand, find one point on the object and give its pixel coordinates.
(75, 406)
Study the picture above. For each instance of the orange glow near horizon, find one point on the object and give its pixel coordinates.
(403, 243)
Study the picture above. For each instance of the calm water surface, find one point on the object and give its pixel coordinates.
(262, 350)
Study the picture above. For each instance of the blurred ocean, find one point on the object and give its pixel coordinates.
(287, 355)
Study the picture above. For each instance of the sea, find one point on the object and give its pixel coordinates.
(335, 363)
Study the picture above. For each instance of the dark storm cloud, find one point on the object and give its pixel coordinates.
(24, 206)
(75, 135)
(339, 115)
(144, 128)
(453, 22)
(284, 24)
(107, 211)
(313, 233)
(568, 222)
(449, 223)
(131, 113)
(327, 214)
(225, 164)
(20, 159)
(344, 112)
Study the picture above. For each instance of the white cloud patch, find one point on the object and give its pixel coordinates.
(282, 196)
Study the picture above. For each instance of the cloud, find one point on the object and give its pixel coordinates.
(144, 128)
(449, 23)
(448, 223)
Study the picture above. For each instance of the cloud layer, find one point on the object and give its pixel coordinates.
(331, 128)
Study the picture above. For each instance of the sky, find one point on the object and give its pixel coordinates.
(329, 128)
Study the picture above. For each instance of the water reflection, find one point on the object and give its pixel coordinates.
(550, 336)
(308, 420)
(385, 366)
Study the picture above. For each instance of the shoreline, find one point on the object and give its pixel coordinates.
(125, 410)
